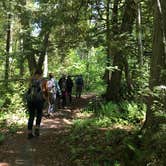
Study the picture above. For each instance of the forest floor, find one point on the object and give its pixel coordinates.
(47, 149)
(56, 146)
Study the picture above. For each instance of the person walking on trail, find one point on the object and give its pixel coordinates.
(62, 84)
(79, 85)
(69, 86)
(53, 89)
(35, 102)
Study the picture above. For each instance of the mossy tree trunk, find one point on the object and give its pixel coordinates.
(119, 60)
(158, 60)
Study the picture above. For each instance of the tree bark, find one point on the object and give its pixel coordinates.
(43, 51)
(158, 60)
(107, 72)
(21, 59)
(8, 42)
(154, 127)
(139, 35)
(119, 60)
(113, 91)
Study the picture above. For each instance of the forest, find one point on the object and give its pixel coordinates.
(119, 48)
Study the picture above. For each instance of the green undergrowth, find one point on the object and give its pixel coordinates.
(111, 114)
(11, 122)
(12, 110)
(108, 136)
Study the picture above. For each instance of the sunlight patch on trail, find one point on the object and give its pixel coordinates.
(5, 164)
(117, 126)
(67, 121)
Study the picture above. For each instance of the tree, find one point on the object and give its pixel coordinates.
(7, 6)
(139, 34)
(119, 59)
(158, 60)
(154, 126)
(34, 47)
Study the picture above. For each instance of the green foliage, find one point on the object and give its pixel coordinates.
(124, 112)
(1, 102)
(12, 110)
(159, 99)
(107, 128)
(12, 96)
(89, 63)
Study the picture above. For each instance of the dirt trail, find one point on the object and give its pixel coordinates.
(45, 150)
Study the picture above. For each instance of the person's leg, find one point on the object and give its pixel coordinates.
(80, 91)
(54, 102)
(70, 96)
(38, 118)
(58, 101)
(77, 90)
(31, 111)
(51, 103)
(63, 99)
(52, 106)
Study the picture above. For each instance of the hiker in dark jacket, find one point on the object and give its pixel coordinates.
(35, 103)
(69, 86)
(79, 85)
(63, 88)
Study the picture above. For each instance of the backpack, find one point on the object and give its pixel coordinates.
(62, 84)
(69, 83)
(79, 81)
(35, 92)
(51, 86)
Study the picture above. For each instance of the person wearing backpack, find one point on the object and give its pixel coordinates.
(69, 86)
(79, 85)
(62, 84)
(35, 102)
(54, 89)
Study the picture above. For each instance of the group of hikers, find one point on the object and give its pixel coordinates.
(56, 93)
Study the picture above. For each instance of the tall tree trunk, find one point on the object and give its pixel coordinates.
(114, 88)
(33, 64)
(109, 52)
(154, 128)
(115, 29)
(158, 60)
(26, 37)
(43, 51)
(27, 51)
(21, 59)
(45, 71)
(87, 55)
(113, 92)
(107, 72)
(8, 42)
(139, 35)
